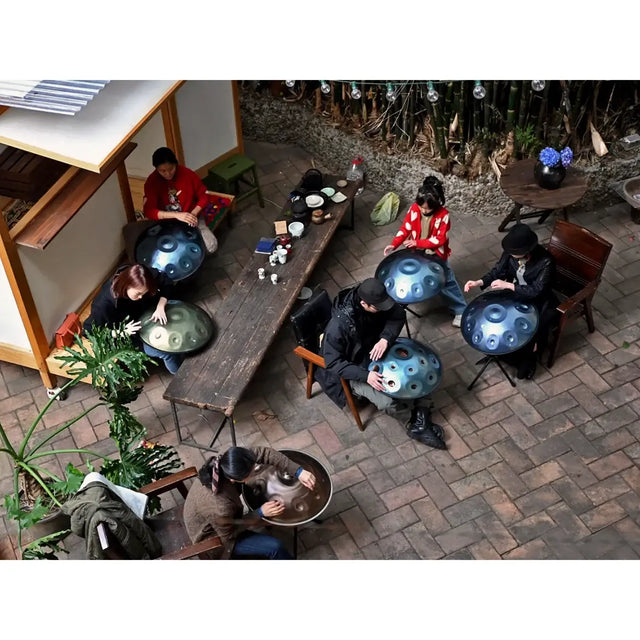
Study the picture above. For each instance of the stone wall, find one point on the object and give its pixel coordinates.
(270, 119)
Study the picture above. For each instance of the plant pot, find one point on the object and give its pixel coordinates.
(549, 177)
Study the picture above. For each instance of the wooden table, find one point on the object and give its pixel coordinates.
(247, 321)
(519, 184)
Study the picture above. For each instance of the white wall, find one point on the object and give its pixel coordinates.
(207, 120)
(12, 331)
(78, 259)
(148, 139)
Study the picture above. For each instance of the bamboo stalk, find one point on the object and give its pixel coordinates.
(462, 123)
(511, 109)
(523, 110)
(437, 128)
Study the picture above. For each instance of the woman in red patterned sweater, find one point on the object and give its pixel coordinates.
(426, 227)
(173, 191)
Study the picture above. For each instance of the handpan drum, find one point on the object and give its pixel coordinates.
(188, 328)
(409, 369)
(497, 323)
(410, 276)
(173, 247)
(301, 504)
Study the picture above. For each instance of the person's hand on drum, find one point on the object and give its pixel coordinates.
(470, 284)
(159, 315)
(307, 479)
(374, 379)
(272, 508)
(189, 218)
(502, 284)
(378, 349)
(388, 249)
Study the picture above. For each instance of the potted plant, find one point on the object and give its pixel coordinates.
(116, 370)
(551, 168)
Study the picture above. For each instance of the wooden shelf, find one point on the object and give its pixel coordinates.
(43, 229)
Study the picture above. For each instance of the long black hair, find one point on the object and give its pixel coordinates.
(163, 155)
(236, 463)
(433, 185)
(429, 198)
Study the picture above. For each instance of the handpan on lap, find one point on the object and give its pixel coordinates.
(301, 505)
(497, 323)
(410, 276)
(173, 247)
(188, 328)
(409, 369)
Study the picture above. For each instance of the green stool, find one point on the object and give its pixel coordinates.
(227, 175)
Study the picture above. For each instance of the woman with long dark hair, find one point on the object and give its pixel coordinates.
(213, 505)
(126, 295)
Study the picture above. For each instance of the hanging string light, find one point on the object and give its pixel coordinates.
(356, 94)
(325, 87)
(290, 83)
(391, 94)
(538, 85)
(479, 92)
(432, 94)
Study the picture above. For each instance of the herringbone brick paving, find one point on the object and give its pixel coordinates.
(548, 469)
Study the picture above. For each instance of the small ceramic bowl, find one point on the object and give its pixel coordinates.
(305, 293)
(314, 200)
(296, 229)
(318, 216)
(328, 191)
(341, 183)
(339, 197)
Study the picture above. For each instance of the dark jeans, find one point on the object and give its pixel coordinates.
(250, 543)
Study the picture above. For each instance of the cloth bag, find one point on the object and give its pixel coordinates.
(386, 209)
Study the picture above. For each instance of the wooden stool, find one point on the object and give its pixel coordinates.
(227, 175)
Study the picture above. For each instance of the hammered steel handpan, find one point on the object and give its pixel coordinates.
(301, 505)
(410, 276)
(171, 246)
(188, 328)
(409, 369)
(497, 322)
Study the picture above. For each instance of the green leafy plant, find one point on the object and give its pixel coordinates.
(526, 140)
(116, 369)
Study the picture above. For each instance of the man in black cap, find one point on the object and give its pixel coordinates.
(527, 269)
(365, 321)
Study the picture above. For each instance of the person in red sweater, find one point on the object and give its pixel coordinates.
(426, 226)
(173, 191)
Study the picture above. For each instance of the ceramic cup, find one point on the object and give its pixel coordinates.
(282, 255)
(261, 273)
(274, 278)
(273, 259)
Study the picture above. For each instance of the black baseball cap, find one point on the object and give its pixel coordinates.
(373, 292)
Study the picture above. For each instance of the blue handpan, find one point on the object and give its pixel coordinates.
(409, 369)
(173, 247)
(410, 276)
(497, 323)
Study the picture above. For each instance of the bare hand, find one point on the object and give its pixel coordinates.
(470, 284)
(388, 249)
(187, 217)
(502, 284)
(159, 315)
(374, 379)
(272, 508)
(378, 349)
(307, 479)
(410, 244)
(132, 327)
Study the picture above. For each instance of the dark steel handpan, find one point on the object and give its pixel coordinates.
(410, 276)
(301, 505)
(188, 328)
(409, 368)
(497, 322)
(173, 247)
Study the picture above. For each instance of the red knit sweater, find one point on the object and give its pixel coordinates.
(439, 226)
(186, 189)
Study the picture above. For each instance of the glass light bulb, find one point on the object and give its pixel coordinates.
(356, 94)
(391, 94)
(432, 95)
(325, 87)
(479, 91)
(538, 85)
(290, 83)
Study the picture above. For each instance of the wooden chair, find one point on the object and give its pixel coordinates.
(309, 323)
(168, 526)
(580, 257)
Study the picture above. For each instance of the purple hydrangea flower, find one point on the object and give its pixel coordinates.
(566, 156)
(549, 157)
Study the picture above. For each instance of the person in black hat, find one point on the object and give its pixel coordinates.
(364, 322)
(527, 269)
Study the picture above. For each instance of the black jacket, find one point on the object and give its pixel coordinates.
(348, 338)
(109, 311)
(538, 274)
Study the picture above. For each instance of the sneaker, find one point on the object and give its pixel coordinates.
(457, 320)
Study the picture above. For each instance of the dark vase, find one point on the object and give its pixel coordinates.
(549, 177)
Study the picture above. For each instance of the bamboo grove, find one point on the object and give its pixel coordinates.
(457, 127)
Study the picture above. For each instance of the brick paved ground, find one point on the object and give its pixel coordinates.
(546, 470)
